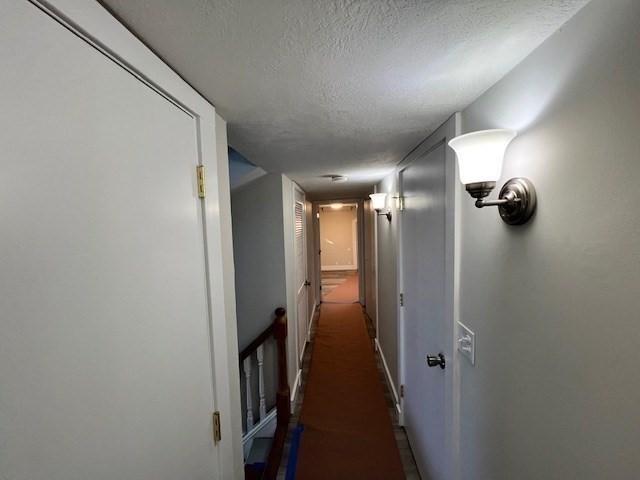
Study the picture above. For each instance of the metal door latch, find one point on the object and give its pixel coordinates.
(435, 360)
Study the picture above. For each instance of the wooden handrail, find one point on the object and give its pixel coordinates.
(278, 329)
(259, 340)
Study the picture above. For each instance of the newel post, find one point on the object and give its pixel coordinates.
(284, 394)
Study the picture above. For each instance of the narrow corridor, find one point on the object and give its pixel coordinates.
(349, 426)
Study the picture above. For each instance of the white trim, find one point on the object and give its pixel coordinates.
(396, 397)
(331, 268)
(308, 336)
(304, 348)
(294, 389)
(253, 431)
(265, 428)
(313, 313)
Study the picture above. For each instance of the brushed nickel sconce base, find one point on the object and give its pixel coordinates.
(516, 203)
(521, 201)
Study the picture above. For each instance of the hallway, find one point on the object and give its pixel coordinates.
(319, 240)
(350, 427)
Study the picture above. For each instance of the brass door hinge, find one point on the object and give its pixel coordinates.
(202, 187)
(402, 299)
(401, 391)
(217, 433)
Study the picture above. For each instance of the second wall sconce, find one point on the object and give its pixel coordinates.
(379, 203)
(480, 156)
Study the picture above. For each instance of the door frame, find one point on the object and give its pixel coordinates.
(94, 25)
(448, 130)
(296, 190)
(360, 245)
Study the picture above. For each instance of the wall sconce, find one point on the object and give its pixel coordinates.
(480, 156)
(379, 203)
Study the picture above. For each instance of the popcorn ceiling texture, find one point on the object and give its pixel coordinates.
(316, 87)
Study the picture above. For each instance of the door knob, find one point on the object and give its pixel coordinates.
(435, 360)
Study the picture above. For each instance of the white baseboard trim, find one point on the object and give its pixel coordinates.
(313, 314)
(304, 347)
(396, 397)
(266, 426)
(308, 336)
(253, 431)
(294, 390)
(329, 268)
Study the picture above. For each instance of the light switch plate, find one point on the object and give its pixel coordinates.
(467, 342)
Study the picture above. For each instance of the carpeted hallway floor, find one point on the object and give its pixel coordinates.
(347, 428)
(340, 286)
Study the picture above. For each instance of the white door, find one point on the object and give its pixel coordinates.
(424, 277)
(105, 351)
(302, 284)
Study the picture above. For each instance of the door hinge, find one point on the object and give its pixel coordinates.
(402, 299)
(202, 187)
(217, 433)
(401, 391)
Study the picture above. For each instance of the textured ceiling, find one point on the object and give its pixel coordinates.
(318, 87)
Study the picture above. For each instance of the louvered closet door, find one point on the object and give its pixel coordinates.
(301, 269)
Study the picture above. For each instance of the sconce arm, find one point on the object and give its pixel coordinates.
(384, 214)
(516, 202)
(509, 198)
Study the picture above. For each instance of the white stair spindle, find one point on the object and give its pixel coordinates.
(246, 364)
(263, 405)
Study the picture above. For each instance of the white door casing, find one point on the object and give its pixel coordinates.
(428, 283)
(300, 251)
(359, 245)
(118, 320)
(370, 261)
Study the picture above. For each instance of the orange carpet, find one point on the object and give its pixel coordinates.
(347, 428)
(346, 292)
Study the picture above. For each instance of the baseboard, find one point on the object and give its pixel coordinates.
(329, 268)
(294, 389)
(313, 314)
(396, 397)
(308, 336)
(265, 426)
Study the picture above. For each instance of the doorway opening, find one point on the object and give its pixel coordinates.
(339, 259)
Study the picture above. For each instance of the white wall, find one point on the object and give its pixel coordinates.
(387, 312)
(258, 250)
(554, 304)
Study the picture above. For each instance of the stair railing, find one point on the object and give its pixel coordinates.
(277, 330)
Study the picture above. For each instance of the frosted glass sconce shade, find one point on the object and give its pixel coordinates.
(480, 156)
(378, 200)
(379, 203)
